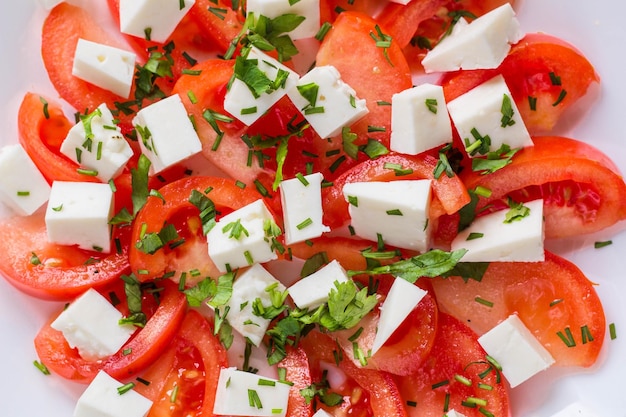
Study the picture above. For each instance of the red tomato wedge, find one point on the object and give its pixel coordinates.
(298, 373)
(434, 389)
(402, 21)
(581, 188)
(218, 21)
(550, 297)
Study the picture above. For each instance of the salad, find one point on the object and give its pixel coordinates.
(597, 388)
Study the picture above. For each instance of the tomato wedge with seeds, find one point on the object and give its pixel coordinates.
(218, 21)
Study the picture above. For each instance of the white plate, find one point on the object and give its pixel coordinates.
(596, 28)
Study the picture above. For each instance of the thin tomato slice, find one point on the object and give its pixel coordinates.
(550, 297)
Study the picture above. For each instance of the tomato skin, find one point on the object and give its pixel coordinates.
(299, 374)
(403, 20)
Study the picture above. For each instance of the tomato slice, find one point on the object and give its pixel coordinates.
(550, 297)
(402, 21)
(298, 373)
(580, 186)
(434, 389)
(222, 27)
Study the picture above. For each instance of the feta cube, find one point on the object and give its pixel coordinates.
(482, 44)
(489, 110)
(419, 119)
(246, 394)
(105, 151)
(241, 238)
(152, 19)
(453, 413)
(102, 399)
(78, 213)
(104, 66)
(166, 133)
(490, 239)
(397, 211)
(249, 286)
(309, 9)
(91, 324)
(326, 101)
(402, 298)
(322, 413)
(22, 187)
(575, 410)
(302, 206)
(240, 100)
(312, 291)
(515, 348)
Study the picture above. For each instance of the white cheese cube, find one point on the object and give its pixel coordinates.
(419, 119)
(242, 103)
(104, 66)
(22, 187)
(78, 213)
(105, 151)
(91, 324)
(326, 101)
(490, 239)
(397, 211)
(484, 43)
(453, 413)
(166, 135)
(575, 410)
(480, 111)
(309, 9)
(313, 290)
(322, 413)
(102, 399)
(514, 347)
(240, 238)
(402, 298)
(302, 205)
(249, 286)
(246, 394)
(153, 19)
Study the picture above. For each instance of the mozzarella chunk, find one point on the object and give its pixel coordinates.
(326, 101)
(166, 134)
(313, 290)
(153, 19)
(482, 44)
(78, 213)
(246, 394)
(302, 205)
(309, 9)
(104, 66)
(397, 211)
(22, 187)
(91, 324)
(419, 119)
(402, 298)
(241, 238)
(102, 399)
(514, 347)
(251, 285)
(575, 410)
(244, 104)
(105, 151)
(490, 239)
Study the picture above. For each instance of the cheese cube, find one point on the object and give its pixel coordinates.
(249, 286)
(102, 399)
(309, 9)
(419, 119)
(104, 66)
(244, 104)
(482, 44)
(240, 238)
(302, 205)
(514, 347)
(397, 211)
(313, 290)
(166, 135)
(78, 213)
(22, 187)
(152, 19)
(91, 324)
(453, 413)
(482, 111)
(575, 410)
(490, 239)
(326, 101)
(105, 151)
(322, 413)
(246, 394)
(402, 298)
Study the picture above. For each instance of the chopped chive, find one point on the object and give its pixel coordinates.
(42, 368)
(303, 180)
(372, 129)
(586, 334)
(189, 59)
(567, 337)
(356, 334)
(192, 97)
(483, 302)
(440, 384)
(46, 113)
(305, 223)
(142, 381)
(249, 110)
(125, 388)
(394, 212)
(267, 382)
(556, 301)
(411, 403)
(474, 235)
(463, 380)
(321, 33)
(598, 245)
(34, 259)
(253, 399)
(612, 331)
(87, 172)
(23, 193)
(562, 95)
(431, 104)
(554, 79)
(532, 103)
